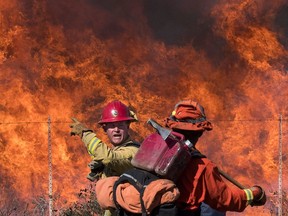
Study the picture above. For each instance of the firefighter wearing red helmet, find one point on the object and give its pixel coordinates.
(116, 111)
(115, 121)
(201, 181)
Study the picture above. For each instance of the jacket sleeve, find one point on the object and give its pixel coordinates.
(116, 160)
(201, 182)
(219, 195)
(101, 151)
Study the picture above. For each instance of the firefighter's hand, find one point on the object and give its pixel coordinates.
(97, 168)
(259, 196)
(96, 165)
(94, 176)
(77, 128)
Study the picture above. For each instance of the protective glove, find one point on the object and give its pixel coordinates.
(259, 196)
(94, 176)
(97, 168)
(96, 165)
(77, 128)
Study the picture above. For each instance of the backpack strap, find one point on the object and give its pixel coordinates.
(139, 179)
(140, 188)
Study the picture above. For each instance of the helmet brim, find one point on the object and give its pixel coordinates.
(116, 120)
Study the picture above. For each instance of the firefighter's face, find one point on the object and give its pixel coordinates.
(117, 132)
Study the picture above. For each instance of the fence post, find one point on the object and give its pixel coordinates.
(50, 193)
(280, 168)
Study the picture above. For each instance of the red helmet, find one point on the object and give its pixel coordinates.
(116, 111)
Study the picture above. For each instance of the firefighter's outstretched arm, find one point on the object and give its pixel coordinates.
(255, 195)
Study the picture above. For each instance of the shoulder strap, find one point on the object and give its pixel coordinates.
(139, 179)
(140, 188)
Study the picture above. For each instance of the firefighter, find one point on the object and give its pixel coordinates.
(201, 181)
(115, 121)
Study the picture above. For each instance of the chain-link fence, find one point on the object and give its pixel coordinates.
(253, 151)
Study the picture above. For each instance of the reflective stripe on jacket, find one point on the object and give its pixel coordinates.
(116, 160)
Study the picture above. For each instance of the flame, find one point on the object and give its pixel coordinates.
(67, 59)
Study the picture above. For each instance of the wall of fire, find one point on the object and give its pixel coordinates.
(67, 59)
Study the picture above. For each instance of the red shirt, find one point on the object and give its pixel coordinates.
(201, 182)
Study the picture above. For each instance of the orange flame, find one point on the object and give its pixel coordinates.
(68, 59)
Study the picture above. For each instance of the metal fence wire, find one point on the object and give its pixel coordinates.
(248, 149)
